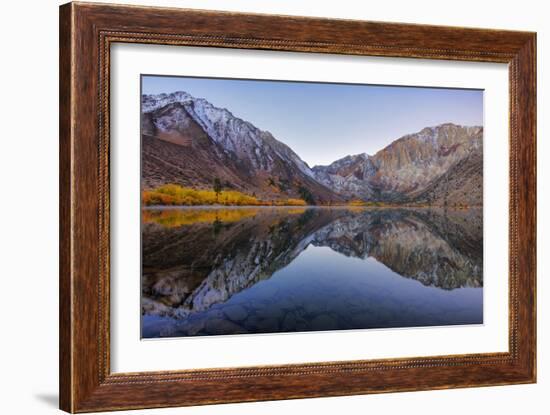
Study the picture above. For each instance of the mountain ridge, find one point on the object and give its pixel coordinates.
(406, 166)
(189, 141)
(222, 146)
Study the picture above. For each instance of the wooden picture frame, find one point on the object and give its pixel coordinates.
(86, 33)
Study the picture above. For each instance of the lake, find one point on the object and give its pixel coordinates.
(237, 270)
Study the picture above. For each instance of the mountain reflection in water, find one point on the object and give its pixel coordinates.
(209, 271)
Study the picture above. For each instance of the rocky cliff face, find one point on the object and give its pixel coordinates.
(349, 176)
(462, 184)
(411, 166)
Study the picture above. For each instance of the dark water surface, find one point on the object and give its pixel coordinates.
(211, 271)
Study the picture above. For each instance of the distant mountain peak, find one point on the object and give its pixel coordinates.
(403, 167)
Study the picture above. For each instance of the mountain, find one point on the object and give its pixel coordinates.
(349, 176)
(416, 168)
(462, 184)
(188, 141)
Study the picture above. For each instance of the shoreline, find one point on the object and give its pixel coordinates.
(213, 207)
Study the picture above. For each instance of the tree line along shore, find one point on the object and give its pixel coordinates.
(176, 195)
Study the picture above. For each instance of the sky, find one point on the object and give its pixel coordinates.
(323, 122)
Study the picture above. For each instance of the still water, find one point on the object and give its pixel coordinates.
(213, 271)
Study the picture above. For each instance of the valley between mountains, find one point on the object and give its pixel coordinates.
(194, 153)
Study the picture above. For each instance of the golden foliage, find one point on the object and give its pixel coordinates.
(290, 202)
(295, 211)
(175, 195)
(178, 217)
(370, 203)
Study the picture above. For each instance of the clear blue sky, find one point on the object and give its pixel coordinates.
(323, 122)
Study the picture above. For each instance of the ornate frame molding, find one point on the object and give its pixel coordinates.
(87, 32)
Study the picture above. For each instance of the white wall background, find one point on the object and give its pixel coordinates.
(29, 189)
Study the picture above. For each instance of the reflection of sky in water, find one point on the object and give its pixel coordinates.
(325, 290)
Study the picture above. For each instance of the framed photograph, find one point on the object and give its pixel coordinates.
(260, 207)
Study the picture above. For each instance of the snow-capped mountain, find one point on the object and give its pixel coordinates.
(408, 166)
(214, 143)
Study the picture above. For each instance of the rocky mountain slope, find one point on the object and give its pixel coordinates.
(413, 168)
(188, 141)
(462, 184)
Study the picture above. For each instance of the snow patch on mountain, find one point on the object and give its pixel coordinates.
(232, 133)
